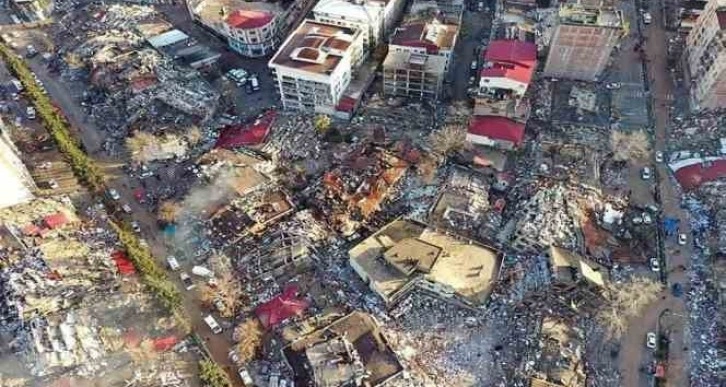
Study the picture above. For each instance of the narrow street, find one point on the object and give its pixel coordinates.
(633, 354)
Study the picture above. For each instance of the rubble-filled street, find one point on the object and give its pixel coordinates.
(356, 193)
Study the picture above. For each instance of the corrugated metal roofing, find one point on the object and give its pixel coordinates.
(167, 38)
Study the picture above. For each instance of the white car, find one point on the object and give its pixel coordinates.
(647, 219)
(650, 340)
(187, 281)
(654, 264)
(245, 376)
(658, 157)
(114, 194)
(172, 262)
(53, 184)
(30, 112)
(646, 173)
(135, 226)
(126, 208)
(682, 239)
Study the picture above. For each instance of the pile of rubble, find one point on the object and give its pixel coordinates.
(699, 132)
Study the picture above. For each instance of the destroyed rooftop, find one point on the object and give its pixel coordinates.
(561, 362)
(577, 15)
(327, 357)
(432, 35)
(391, 258)
(315, 47)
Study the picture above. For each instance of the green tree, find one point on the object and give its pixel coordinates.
(213, 375)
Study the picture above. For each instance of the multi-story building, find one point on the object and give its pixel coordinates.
(314, 66)
(582, 42)
(374, 18)
(705, 56)
(252, 28)
(419, 56)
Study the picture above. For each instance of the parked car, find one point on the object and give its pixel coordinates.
(658, 157)
(135, 226)
(245, 376)
(682, 239)
(30, 112)
(113, 194)
(651, 340)
(646, 173)
(187, 281)
(647, 219)
(53, 184)
(172, 262)
(677, 289)
(212, 324)
(255, 83)
(31, 51)
(647, 18)
(654, 264)
(126, 208)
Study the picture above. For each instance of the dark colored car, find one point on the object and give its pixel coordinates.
(677, 290)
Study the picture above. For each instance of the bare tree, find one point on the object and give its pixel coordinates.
(629, 146)
(137, 143)
(249, 336)
(169, 211)
(194, 135)
(449, 139)
(626, 301)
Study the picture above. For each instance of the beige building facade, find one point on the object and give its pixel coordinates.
(705, 57)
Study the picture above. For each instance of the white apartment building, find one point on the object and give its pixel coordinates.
(705, 56)
(17, 182)
(374, 18)
(314, 66)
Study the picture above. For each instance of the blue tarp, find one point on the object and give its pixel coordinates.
(670, 225)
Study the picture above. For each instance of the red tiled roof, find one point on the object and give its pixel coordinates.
(235, 136)
(346, 104)
(246, 19)
(692, 176)
(281, 307)
(511, 59)
(497, 128)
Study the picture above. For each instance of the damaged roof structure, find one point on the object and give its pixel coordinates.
(405, 255)
(561, 359)
(351, 351)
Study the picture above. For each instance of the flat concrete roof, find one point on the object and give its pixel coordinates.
(315, 47)
(403, 60)
(466, 267)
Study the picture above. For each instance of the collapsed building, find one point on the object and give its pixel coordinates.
(351, 351)
(560, 361)
(463, 206)
(357, 188)
(406, 255)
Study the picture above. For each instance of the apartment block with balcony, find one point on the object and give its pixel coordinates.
(314, 66)
(705, 57)
(419, 56)
(583, 41)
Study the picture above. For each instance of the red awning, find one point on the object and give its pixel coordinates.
(235, 136)
(281, 308)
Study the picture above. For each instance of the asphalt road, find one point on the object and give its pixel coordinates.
(475, 26)
(634, 353)
(92, 139)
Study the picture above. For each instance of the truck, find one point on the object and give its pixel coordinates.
(212, 324)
